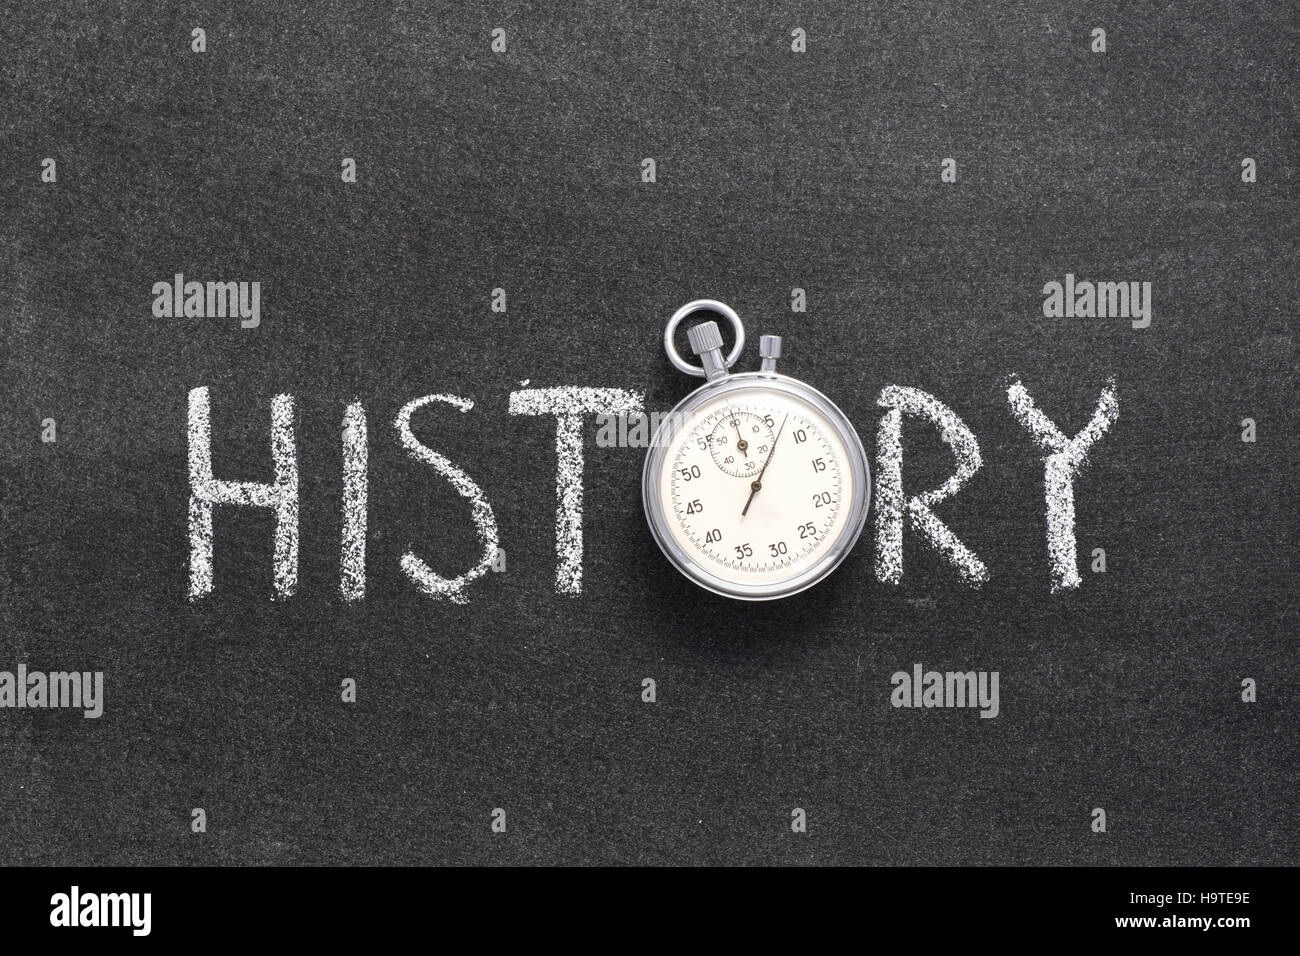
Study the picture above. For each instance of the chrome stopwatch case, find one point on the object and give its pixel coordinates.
(756, 485)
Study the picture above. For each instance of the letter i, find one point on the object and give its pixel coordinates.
(352, 559)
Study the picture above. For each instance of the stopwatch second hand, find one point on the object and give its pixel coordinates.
(757, 484)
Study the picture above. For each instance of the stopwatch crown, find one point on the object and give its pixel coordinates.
(704, 337)
(706, 342)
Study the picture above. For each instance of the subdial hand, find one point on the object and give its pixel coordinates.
(740, 439)
(757, 485)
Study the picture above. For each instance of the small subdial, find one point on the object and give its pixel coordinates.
(740, 442)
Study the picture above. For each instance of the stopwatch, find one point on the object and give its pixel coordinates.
(756, 485)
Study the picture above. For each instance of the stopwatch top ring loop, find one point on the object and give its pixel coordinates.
(690, 308)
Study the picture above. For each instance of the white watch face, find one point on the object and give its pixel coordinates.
(757, 486)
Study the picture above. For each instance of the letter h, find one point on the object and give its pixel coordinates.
(281, 495)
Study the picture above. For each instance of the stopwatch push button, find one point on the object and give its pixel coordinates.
(706, 342)
(704, 337)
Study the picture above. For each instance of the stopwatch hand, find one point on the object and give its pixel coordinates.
(757, 484)
(740, 439)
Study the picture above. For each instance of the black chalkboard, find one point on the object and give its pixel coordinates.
(776, 168)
